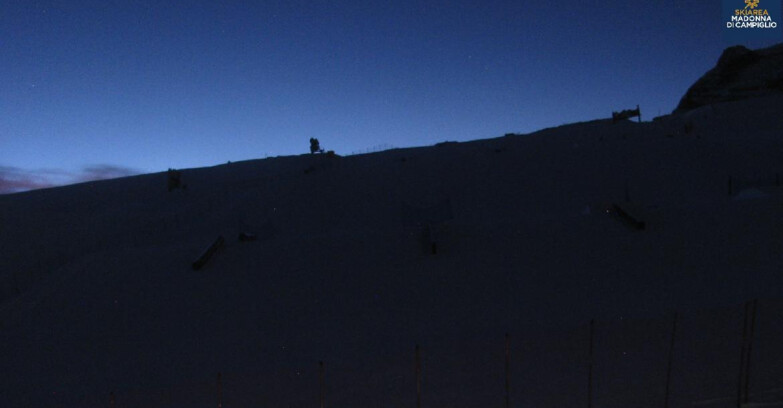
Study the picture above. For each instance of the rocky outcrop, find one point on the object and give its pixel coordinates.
(740, 74)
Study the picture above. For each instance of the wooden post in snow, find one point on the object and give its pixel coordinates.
(750, 348)
(731, 187)
(207, 254)
(743, 348)
(418, 378)
(16, 284)
(508, 369)
(111, 399)
(670, 360)
(590, 367)
(627, 193)
(628, 219)
(322, 398)
(431, 239)
(220, 390)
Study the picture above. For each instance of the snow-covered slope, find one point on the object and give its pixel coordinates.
(98, 294)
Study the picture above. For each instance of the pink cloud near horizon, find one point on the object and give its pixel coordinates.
(104, 172)
(16, 180)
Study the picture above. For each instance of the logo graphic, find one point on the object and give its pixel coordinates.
(758, 19)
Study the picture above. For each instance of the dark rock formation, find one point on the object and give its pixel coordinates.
(740, 74)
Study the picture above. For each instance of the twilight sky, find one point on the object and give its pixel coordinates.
(94, 89)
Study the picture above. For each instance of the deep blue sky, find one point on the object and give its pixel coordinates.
(101, 88)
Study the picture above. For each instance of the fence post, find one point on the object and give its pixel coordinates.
(16, 284)
(508, 369)
(750, 348)
(590, 367)
(731, 187)
(627, 192)
(670, 360)
(111, 399)
(220, 390)
(743, 349)
(418, 378)
(322, 398)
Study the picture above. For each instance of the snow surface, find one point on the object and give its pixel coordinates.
(98, 294)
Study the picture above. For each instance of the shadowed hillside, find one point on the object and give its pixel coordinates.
(357, 259)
